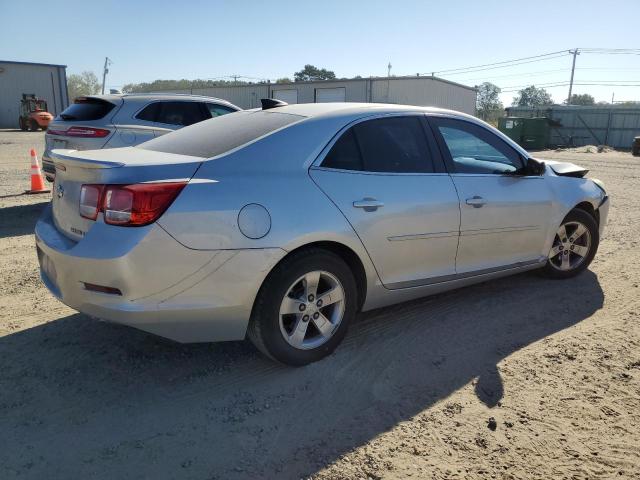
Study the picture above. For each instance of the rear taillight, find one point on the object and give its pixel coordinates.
(128, 205)
(90, 196)
(85, 132)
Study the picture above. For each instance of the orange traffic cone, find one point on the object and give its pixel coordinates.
(37, 181)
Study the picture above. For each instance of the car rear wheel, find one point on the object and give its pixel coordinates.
(574, 245)
(304, 307)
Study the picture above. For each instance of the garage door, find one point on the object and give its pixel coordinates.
(290, 96)
(324, 95)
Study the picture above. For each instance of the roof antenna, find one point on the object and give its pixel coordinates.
(268, 103)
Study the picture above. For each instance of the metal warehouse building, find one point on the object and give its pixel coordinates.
(612, 125)
(423, 91)
(46, 81)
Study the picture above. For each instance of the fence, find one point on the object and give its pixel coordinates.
(612, 125)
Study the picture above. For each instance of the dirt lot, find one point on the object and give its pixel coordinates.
(517, 378)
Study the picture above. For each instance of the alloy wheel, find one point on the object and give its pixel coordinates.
(312, 310)
(571, 246)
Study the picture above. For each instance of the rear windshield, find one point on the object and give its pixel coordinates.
(221, 134)
(84, 109)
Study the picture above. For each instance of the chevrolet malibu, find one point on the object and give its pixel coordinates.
(281, 223)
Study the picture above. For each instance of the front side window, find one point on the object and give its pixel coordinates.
(385, 145)
(474, 149)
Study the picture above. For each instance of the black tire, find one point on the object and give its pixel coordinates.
(23, 125)
(33, 125)
(264, 327)
(586, 219)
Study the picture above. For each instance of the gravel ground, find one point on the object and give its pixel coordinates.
(516, 378)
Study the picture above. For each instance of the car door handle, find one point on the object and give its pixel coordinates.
(476, 201)
(368, 204)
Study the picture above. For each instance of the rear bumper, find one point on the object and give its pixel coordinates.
(168, 290)
(48, 168)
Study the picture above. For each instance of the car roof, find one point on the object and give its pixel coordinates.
(147, 97)
(351, 111)
(347, 109)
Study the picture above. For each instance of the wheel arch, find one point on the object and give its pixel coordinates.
(347, 254)
(588, 207)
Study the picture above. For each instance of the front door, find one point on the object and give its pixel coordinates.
(504, 212)
(387, 179)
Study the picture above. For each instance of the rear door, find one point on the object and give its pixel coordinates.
(504, 214)
(390, 184)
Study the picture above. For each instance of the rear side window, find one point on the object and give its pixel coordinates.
(345, 153)
(84, 109)
(391, 145)
(216, 110)
(173, 113)
(219, 135)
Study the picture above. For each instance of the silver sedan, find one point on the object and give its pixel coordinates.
(281, 223)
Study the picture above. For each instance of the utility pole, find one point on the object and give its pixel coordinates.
(389, 69)
(573, 68)
(107, 62)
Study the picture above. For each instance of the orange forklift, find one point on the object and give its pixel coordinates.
(33, 113)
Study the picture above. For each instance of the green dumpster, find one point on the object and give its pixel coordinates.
(529, 133)
(535, 134)
(512, 127)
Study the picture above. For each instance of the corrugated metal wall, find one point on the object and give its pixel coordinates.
(427, 92)
(45, 81)
(424, 91)
(612, 125)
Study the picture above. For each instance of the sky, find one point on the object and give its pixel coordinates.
(148, 40)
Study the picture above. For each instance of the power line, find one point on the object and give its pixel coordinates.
(564, 52)
(616, 51)
(503, 66)
(558, 85)
(543, 72)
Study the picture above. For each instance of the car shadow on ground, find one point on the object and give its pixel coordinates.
(86, 399)
(20, 219)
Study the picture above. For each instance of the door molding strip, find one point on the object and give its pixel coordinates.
(460, 276)
(422, 236)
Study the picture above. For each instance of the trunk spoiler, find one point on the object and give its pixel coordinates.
(65, 157)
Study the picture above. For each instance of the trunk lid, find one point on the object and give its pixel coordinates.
(113, 166)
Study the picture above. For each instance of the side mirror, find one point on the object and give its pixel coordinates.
(534, 167)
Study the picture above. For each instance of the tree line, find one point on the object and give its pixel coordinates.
(488, 104)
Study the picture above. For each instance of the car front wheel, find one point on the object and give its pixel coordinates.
(574, 245)
(304, 307)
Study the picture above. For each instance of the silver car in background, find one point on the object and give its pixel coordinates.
(280, 224)
(122, 120)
